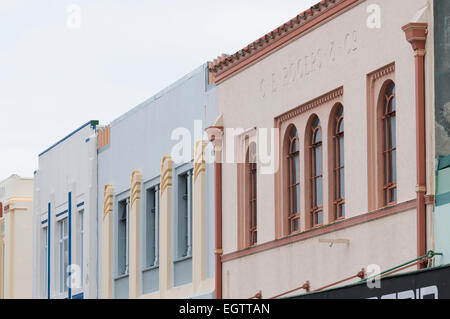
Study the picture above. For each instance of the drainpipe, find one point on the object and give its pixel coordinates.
(215, 135)
(416, 34)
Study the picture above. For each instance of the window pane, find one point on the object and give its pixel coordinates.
(386, 169)
(318, 155)
(342, 183)
(296, 170)
(296, 225)
(319, 200)
(341, 151)
(394, 166)
(319, 220)
(341, 126)
(394, 195)
(318, 137)
(296, 200)
(393, 132)
(150, 225)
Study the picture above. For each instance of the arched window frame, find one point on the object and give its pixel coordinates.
(316, 207)
(251, 172)
(387, 143)
(336, 166)
(292, 156)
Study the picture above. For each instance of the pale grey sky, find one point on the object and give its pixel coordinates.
(53, 78)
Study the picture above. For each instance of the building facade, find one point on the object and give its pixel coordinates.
(156, 196)
(16, 207)
(65, 218)
(306, 201)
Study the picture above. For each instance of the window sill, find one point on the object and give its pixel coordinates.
(325, 229)
(150, 268)
(182, 259)
(121, 277)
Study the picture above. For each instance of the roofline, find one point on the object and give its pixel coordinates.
(92, 123)
(161, 93)
(227, 66)
(16, 176)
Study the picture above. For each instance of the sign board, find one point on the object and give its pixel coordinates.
(433, 283)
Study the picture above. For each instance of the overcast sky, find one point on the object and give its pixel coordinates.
(54, 78)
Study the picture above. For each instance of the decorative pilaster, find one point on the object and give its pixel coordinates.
(215, 135)
(199, 215)
(416, 34)
(107, 274)
(135, 250)
(165, 226)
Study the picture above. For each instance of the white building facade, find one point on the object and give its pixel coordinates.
(65, 218)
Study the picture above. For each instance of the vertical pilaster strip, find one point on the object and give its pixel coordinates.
(134, 235)
(107, 274)
(199, 215)
(165, 226)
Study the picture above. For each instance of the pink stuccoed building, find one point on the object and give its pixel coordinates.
(334, 201)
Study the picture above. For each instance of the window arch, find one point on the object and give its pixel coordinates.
(337, 169)
(251, 195)
(293, 179)
(315, 172)
(389, 143)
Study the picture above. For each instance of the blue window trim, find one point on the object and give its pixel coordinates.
(62, 213)
(70, 245)
(48, 252)
(80, 204)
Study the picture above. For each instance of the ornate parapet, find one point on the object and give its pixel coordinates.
(108, 196)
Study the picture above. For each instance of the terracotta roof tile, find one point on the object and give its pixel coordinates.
(226, 62)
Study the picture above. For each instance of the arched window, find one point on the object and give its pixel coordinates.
(389, 145)
(338, 165)
(316, 170)
(251, 195)
(293, 180)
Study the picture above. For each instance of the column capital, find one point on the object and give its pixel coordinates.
(416, 34)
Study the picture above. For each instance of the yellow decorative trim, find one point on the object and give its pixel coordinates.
(14, 200)
(166, 173)
(136, 178)
(108, 196)
(199, 158)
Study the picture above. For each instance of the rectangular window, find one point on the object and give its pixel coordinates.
(184, 215)
(81, 243)
(152, 227)
(123, 237)
(63, 254)
(44, 258)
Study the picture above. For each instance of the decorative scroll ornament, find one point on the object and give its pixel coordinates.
(108, 195)
(199, 158)
(136, 178)
(166, 173)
